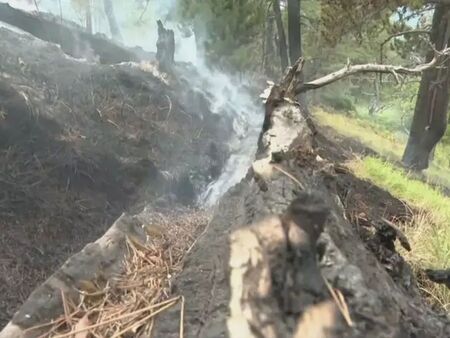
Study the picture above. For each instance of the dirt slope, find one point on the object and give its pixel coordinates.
(82, 142)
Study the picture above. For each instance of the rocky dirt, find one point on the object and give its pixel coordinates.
(80, 143)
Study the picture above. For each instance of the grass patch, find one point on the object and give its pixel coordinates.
(367, 133)
(374, 135)
(429, 231)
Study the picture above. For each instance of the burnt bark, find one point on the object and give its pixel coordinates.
(165, 53)
(278, 256)
(112, 21)
(282, 44)
(430, 114)
(439, 276)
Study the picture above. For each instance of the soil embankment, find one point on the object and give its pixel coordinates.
(82, 142)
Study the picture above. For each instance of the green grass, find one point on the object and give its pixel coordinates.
(375, 135)
(367, 133)
(429, 231)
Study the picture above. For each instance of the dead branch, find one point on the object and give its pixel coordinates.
(349, 70)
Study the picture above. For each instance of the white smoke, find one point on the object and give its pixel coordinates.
(229, 97)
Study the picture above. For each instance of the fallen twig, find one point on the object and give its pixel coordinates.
(289, 175)
(340, 302)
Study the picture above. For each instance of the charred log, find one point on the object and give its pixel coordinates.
(76, 43)
(439, 276)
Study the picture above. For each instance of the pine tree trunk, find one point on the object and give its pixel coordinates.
(269, 50)
(294, 30)
(282, 45)
(89, 18)
(430, 114)
(113, 25)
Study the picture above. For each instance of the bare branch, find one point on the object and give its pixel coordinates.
(371, 68)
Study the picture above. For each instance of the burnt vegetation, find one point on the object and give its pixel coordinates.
(142, 195)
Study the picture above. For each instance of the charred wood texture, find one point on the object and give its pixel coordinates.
(273, 265)
(439, 276)
(165, 53)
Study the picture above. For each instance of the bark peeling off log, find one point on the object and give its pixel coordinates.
(101, 259)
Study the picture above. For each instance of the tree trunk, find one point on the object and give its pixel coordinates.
(268, 46)
(165, 47)
(113, 25)
(281, 35)
(294, 30)
(89, 18)
(295, 37)
(430, 114)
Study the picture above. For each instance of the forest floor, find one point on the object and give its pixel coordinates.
(385, 143)
(80, 143)
(373, 155)
(195, 293)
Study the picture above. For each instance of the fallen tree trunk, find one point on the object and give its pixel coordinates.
(293, 266)
(76, 43)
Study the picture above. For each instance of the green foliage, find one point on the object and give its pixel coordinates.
(382, 139)
(363, 18)
(230, 30)
(338, 100)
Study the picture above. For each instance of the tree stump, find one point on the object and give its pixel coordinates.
(165, 47)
